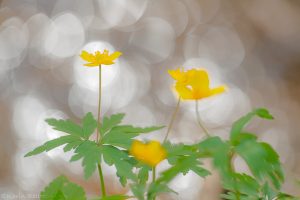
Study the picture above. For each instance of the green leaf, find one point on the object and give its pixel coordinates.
(66, 126)
(119, 139)
(67, 139)
(184, 165)
(122, 136)
(109, 123)
(143, 174)
(267, 167)
(90, 153)
(89, 124)
(157, 188)
(241, 123)
(114, 197)
(117, 157)
(139, 130)
(62, 189)
(138, 190)
(219, 151)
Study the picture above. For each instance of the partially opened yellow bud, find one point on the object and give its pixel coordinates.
(96, 59)
(194, 84)
(150, 153)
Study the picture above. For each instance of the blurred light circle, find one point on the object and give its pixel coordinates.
(173, 11)
(122, 13)
(201, 11)
(82, 100)
(27, 114)
(13, 39)
(38, 26)
(84, 10)
(125, 88)
(88, 77)
(153, 41)
(222, 45)
(64, 36)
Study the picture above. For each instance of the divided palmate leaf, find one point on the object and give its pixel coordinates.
(121, 160)
(89, 125)
(122, 135)
(70, 140)
(62, 189)
(76, 134)
(110, 122)
(183, 165)
(90, 153)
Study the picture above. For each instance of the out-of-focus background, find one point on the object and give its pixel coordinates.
(252, 46)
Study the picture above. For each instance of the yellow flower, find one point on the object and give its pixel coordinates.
(98, 58)
(150, 153)
(193, 84)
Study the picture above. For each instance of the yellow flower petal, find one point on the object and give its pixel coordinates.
(183, 91)
(99, 58)
(115, 55)
(178, 75)
(193, 84)
(86, 56)
(218, 90)
(150, 153)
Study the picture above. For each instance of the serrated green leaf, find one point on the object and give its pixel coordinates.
(175, 151)
(114, 197)
(62, 189)
(66, 126)
(184, 165)
(119, 139)
(267, 167)
(118, 158)
(238, 126)
(110, 122)
(67, 139)
(157, 188)
(138, 191)
(143, 174)
(219, 151)
(90, 153)
(89, 124)
(139, 130)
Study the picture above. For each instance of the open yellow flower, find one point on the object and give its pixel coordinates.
(193, 84)
(96, 59)
(150, 153)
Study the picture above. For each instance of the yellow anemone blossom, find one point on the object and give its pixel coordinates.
(99, 58)
(193, 84)
(150, 153)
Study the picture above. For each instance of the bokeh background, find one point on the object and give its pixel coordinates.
(252, 46)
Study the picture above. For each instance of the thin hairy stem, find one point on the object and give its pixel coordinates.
(172, 119)
(200, 123)
(101, 180)
(153, 177)
(102, 183)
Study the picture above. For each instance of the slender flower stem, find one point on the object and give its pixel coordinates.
(101, 180)
(172, 119)
(200, 123)
(153, 176)
(98, 132)
(99, 104)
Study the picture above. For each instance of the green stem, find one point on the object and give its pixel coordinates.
(101, 181)
(98, 132)
(153, 176)
(172, 119)
(200, 123)
(99, 104)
